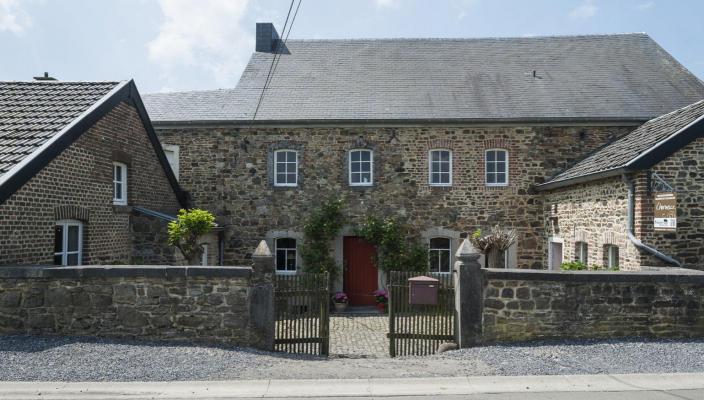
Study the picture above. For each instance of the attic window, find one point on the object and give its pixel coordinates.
(119, 183)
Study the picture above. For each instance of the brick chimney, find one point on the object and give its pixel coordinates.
(266, 37)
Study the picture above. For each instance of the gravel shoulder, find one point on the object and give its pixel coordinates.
(49, 358)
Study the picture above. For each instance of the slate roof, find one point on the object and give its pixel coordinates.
(596, 77)
(31, 113)
(622, 153)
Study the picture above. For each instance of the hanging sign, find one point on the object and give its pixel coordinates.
(665, 212)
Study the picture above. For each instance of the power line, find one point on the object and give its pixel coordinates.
(286, 39)
(277, 51)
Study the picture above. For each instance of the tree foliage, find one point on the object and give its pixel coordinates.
(189, 226)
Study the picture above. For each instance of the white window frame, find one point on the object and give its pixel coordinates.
(287, 249)
(582, 252)
(612, 256)
(175, 150)
(64, 253)
(204, 256)
(449, 254)
(486, 170)
(430, 168)
(371, 167)
(123, 200)
(276, 162)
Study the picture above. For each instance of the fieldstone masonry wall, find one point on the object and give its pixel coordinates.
(528, 305)
(226, 170)
(216, 304)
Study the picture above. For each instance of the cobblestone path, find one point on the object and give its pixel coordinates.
(359, 335)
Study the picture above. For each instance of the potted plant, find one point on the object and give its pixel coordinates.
(340, 299)
(382, 298)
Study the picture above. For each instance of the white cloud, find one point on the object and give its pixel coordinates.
(12, 17)
(584, 11)
(205, 34)
(646, 6)
(388, 3)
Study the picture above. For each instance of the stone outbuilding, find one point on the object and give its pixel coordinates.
(83, 178)
(638, 201)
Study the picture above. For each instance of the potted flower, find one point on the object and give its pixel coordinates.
(382, 297)
(340, 300)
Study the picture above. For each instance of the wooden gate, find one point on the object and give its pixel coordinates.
(302, 314)
(419, 329)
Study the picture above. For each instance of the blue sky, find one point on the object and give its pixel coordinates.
(168, 45)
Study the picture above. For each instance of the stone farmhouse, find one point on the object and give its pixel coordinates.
(83, 178)
(449, 135)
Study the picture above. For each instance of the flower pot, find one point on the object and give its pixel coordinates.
(381, 307)
(340, 307)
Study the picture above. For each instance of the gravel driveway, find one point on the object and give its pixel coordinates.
(89, 359)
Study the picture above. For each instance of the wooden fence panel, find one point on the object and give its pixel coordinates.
(302, 314)
(419, 329)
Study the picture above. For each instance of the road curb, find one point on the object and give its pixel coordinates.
(311, 388)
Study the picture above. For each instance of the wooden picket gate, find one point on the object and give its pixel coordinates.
(419, 329)
(302, 314)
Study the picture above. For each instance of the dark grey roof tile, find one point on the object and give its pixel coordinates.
(625, 76)
(33, 112)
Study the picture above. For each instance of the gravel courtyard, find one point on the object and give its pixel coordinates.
(88, 359)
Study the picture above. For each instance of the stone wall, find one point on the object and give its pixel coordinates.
(78, 184)
(595, 213)
(226, 170)
(684, 172)
(528, 305)
(215, 304)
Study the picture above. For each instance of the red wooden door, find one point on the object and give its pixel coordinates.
(361, 274)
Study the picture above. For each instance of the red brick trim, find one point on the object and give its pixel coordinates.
(70, 211)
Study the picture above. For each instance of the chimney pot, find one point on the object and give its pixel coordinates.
(46, 77)
(266, 37)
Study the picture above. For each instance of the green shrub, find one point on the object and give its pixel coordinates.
(396, 251)
(189, 226)
(573, 266)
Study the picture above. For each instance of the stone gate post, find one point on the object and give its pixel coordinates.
(468, 295)
(262, 296)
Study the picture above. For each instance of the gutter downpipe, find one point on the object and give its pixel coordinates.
(629, 231)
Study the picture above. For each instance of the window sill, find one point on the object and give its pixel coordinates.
(286, 273)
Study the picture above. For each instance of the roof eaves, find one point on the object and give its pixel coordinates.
(667, 146)
(581, 179)
(397, 122)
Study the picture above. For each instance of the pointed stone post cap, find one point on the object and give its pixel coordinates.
(467, 251)
(262, 250)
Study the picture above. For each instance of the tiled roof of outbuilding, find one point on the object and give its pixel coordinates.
(31, 113)
(623, 152)
(595, 77)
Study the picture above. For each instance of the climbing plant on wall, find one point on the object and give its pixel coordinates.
(396, 251)
(322, 226)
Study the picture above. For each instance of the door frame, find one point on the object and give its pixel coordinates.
(551, 240)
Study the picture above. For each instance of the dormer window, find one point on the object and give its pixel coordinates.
(119, 183)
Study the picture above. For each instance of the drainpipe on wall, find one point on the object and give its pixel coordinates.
(629, 231)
